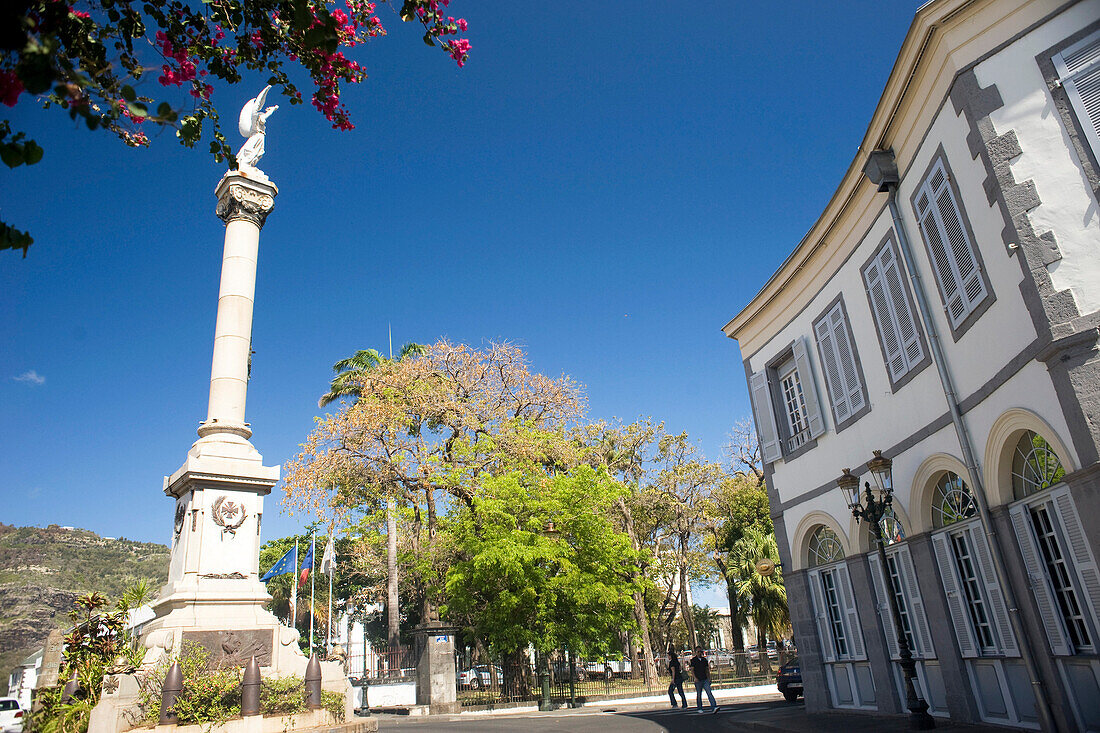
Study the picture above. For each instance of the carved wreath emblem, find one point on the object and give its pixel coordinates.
(229, 515)
(181, 514)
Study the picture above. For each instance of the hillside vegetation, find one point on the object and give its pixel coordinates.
(43, 570)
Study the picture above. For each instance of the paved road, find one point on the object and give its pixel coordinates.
(604, 717)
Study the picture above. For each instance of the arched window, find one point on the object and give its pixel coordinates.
(891, 529)
(951, 501)
(825, 547)
(1035, 465)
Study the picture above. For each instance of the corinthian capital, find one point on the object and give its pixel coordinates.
(240, 198)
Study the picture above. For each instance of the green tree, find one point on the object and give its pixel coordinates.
(766, 594)
(538, 562)
(90, 58)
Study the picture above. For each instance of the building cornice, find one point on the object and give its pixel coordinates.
(945, 37)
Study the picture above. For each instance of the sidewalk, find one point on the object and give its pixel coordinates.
(723, 695)
(795, 719)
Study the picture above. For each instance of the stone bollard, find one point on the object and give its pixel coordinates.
(250, 689)
(313, 683)
(71, 688)
(173, 686)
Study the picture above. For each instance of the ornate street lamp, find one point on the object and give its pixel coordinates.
(874, 506)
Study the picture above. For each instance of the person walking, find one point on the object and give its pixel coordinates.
(700, 667)
(677, 682)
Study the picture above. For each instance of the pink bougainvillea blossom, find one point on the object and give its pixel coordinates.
(10, 88)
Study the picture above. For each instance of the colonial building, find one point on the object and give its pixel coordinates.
(944, 309)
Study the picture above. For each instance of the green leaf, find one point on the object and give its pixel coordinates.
(12, 155)
(128, 93)
(138, 109)
(164, 109)
(32, 153)
(428, 39)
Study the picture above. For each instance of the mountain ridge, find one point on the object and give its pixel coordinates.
(44, 569)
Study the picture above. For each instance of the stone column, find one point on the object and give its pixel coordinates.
(243, 204)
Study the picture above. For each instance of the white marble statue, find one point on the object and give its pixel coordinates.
(253, 125)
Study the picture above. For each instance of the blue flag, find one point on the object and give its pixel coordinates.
(285, 565)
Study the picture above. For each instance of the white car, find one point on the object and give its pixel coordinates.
(478, 678)
(11, 715)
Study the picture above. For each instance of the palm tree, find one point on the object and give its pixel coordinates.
(347, 383)
(766, 594)
(350, 371)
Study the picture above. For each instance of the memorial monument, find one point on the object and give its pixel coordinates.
(214, 596)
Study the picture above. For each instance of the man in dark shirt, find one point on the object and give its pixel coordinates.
(700, 667)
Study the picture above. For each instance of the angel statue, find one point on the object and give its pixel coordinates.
(253, 125)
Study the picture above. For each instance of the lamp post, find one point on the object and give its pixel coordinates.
(542, 661)
(874, 506)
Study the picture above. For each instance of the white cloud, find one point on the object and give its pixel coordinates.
(30, 377)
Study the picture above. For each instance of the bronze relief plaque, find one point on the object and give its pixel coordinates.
(234, 647)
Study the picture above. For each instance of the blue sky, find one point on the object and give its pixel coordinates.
(606, 187)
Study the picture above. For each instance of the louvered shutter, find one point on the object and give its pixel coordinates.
(894, 316)
(886, 320)
(953, 255)
(765, 416)
(839, 364)
(918, 620)
(1039, 582)
(821, 616)
(878, 575)
(851, 615)
(809, 390)
(994, 596)
(1078, 69)
(1084, 563)
(945, 559)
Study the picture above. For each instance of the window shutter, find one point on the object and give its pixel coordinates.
(945, 559)
(918, 620)
(809, 390)
(765, 417)
(838, 360)
(824, 633)
(902, 307)
(993, 594)
(1040, 584)
(1078, 69)
(878, 575)
(1083, 561)
(847, 598)
(953, 256)
(885, 319)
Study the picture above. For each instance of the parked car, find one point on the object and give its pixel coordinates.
(561, 671)
(478, 678)
(11, 715)
(789, 679)
(608, 668)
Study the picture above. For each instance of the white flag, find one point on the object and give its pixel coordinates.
(328, 560)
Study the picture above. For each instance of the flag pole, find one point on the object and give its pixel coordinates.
(312, 586)
(328, 636)
(294, 590)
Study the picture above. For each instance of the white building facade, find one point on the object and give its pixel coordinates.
(944, 309)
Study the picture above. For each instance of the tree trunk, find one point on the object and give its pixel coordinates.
(736, 636)
(685, 607)
(762, 647)
(650, 669)
(393, 608)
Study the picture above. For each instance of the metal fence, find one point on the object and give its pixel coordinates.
(381, 664)
(490, 685)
